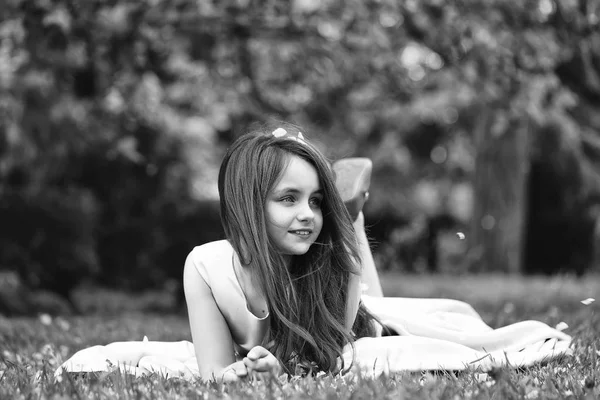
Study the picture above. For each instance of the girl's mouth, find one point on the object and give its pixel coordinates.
(301, 232)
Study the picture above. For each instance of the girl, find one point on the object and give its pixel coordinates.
(283, 292)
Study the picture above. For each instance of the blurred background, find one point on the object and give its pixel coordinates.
(481, 118)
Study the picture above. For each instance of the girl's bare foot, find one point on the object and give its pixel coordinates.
(353, 178)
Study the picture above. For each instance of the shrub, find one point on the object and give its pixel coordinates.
(48, 237)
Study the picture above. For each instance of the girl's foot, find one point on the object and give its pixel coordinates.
(353, 178)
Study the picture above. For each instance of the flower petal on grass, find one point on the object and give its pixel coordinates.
(561, 326)
(588, 301)
(63, 324)
(45, 319)
(533, 394)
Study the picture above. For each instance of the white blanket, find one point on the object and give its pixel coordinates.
(429, 338)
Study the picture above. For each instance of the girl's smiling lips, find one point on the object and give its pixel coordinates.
(301, 232)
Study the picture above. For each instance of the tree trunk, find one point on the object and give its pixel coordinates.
(501, 171)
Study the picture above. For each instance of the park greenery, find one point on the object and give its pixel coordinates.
(479, 116)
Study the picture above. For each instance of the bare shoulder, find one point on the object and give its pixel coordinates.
(212, 250)
(208, 259)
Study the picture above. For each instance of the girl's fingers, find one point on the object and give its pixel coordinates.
(234, 371)
(257, 366)
(258, 352)
(264, 364)
(261, 360)
(240, 368)
(229, 376)
(248, 363)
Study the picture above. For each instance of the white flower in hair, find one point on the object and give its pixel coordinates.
(279, 132)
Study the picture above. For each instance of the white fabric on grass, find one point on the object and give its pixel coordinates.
(432, 335)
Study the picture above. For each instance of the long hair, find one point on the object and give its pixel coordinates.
(307, 301)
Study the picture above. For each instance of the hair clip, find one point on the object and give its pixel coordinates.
(280, 132)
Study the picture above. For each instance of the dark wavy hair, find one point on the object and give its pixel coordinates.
(307, 301)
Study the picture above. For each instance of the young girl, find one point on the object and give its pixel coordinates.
(284, 292)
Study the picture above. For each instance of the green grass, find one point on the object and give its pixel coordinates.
(32, 348)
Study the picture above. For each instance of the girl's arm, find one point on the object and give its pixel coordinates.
(212, 340)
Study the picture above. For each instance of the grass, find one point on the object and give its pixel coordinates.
(32, 348)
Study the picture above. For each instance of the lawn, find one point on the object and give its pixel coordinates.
(32, 348)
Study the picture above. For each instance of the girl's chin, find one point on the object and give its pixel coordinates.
(296, 250)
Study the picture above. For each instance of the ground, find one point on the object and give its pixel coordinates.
(32, 348)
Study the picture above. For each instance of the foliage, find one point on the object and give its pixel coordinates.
(92, 106)
(34, 347)
(131, 103)
(48, 238)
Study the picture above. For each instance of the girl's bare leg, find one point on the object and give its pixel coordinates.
(369, 276)
(353, 178)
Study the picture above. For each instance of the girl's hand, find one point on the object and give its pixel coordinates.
(234, 372)
(260, 361)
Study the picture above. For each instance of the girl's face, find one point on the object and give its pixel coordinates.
(293, 208)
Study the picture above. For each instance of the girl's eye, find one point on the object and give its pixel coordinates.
(316, 201)
(287, 199)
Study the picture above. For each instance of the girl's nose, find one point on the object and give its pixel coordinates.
(306, 213)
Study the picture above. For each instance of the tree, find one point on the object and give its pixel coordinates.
(130, 104)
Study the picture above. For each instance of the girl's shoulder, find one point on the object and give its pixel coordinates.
(210, 258)
(214, 249)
